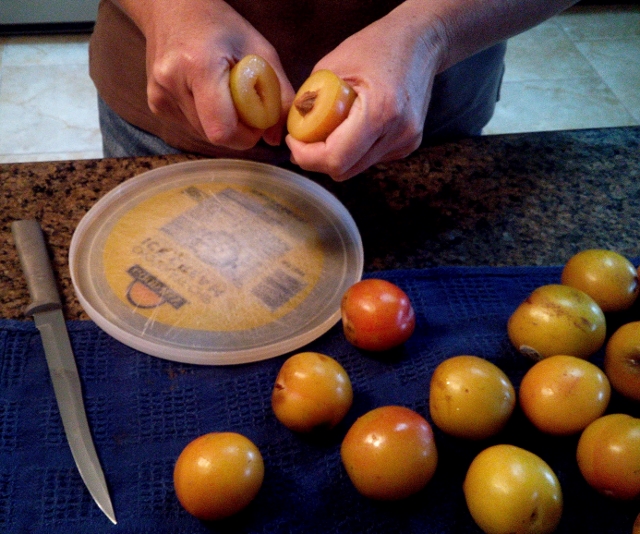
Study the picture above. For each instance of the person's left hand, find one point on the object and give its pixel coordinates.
(391, 66)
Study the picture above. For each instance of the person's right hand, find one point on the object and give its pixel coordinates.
(191, 47)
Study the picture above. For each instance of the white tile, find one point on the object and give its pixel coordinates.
(544, 53)
(618, 64)
(589, 23)
(545, 105)
(46, 50)
(45, 109)
(50, 156)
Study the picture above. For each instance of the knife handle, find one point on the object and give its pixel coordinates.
(36, 266)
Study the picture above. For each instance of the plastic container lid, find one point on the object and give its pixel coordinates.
(216, 261)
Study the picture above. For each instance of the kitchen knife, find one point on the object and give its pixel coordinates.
(46, 308)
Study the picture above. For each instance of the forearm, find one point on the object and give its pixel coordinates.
(146, 13)
(140, 11)
(460, 28)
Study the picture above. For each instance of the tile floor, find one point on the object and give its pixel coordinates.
(580, 69)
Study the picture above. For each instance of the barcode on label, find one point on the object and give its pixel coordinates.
(277, 289)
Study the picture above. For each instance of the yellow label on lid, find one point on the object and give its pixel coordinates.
(213, 256)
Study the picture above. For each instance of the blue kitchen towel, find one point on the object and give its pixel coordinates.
(143, 410)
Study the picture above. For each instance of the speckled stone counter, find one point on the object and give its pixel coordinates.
(521, 199)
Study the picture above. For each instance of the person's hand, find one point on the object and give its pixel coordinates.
(191, 47)
(391, 69)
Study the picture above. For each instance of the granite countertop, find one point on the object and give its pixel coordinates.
(519, 199)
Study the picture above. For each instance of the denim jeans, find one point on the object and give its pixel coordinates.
(121, 139)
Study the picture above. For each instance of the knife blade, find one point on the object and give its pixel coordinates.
(46, 308)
